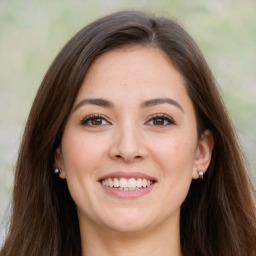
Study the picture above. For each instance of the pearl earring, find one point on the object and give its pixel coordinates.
(57, 171)
(200, 173)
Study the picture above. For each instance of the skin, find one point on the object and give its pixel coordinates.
(127, 136)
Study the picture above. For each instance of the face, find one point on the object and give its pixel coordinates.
(130, 148)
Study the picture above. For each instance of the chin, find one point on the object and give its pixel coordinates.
(130, 221)
(128, 227)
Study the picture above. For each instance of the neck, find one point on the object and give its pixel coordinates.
(158, 241)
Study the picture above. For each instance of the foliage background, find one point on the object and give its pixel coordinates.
(33, 32)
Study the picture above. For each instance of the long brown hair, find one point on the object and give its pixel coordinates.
(218, 215)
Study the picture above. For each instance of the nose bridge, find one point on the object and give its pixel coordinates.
(128, 142)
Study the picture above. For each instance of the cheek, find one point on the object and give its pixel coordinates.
(80, 160)
(177, 153)
(81, 153)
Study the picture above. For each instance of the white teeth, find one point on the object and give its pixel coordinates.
(123, 183)
(144, 183)
(127, 184)
(139, 183)
(116, 183)
(132, 183)
(110, 183)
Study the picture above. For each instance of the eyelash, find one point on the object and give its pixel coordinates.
(164, 118)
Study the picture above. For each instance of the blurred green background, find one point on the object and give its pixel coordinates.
(33, 32)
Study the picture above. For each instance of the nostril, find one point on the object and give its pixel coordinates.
(120, 156)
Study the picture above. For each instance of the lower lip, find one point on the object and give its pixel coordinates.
(127, 194)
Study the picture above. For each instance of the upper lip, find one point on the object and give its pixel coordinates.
(127, 175)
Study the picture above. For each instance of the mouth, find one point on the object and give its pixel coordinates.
(127, 184)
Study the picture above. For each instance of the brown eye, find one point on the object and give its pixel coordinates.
(94, 121)
(160, 120)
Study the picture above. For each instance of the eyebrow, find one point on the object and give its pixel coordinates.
(158, 101)
(98, 102)
(108, 104)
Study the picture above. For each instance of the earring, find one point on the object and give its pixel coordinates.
(200, 173)
(57, 171)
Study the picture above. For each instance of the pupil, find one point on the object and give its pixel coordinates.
(96, 121)
(158, 121)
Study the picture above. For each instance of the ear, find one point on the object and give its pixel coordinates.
(59, 163)
(203, 153)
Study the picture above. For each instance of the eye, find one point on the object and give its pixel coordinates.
(160, 120)
(94, 120)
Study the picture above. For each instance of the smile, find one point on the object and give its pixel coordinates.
(127, 184)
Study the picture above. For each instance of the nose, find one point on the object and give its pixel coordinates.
(128, 145)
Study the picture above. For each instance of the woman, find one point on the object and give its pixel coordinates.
(128, 150)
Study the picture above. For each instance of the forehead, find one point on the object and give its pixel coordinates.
(137, 71)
